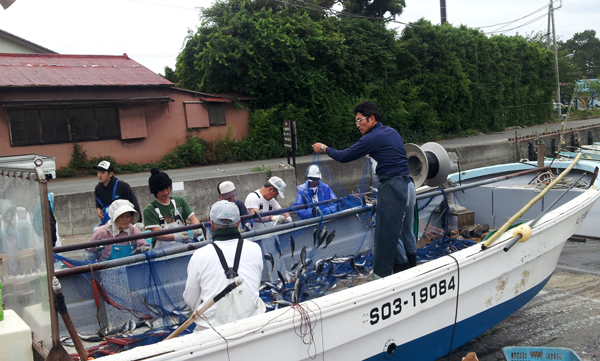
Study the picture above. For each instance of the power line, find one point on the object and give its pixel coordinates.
(513, 21)
(517, 27)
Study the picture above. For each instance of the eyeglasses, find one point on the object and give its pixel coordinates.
(360, 120)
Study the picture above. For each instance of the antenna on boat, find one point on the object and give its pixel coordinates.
(428, 164)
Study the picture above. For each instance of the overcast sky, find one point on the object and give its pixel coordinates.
(153, 32)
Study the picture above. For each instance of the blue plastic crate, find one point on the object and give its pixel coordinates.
(522, 353)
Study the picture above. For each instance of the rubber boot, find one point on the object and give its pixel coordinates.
(412, 260)
(400, 267)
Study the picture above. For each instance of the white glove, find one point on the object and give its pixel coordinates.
(141, 249)
(279, 219)
(198, 234)
(247, 226)
(183, 237)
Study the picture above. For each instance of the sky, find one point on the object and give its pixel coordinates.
(153, 32)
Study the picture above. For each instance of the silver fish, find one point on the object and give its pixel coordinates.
(295, 265)
(270, 285)
(340, 260)
(299, 273)
(315, 237)
(303, 256)
(292, 245)
(322, 239)
(330, 271)
(297, 291)
(278, 246)
(128, 326)
(269, 257)
(65, 340)
(329, 239)
(353, 265)
(319, 267)
(283, 280)
(91, 338)
(282, 302)
(322, 233)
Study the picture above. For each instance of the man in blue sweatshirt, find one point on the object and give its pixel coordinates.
(395, 242)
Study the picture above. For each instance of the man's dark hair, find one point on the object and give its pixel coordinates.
(268, 185)
(367, 109)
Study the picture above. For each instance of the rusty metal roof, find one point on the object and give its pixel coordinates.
(46, 70)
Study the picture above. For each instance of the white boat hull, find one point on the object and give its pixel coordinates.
(419, 314)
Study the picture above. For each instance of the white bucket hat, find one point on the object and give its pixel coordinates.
(279, 184)
(120, 206)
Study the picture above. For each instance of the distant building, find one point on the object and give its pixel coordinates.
(111, 105)
(10, 43)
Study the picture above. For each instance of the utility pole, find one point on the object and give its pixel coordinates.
(443, 10)
(556, 60)
(548, 33)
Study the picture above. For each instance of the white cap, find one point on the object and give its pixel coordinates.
(226, 189)
(225, 213)
(279, 184)
(313, 172)
(120, 206)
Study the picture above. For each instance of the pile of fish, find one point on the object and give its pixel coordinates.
(307, 280)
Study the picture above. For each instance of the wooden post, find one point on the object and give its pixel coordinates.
(541, 148)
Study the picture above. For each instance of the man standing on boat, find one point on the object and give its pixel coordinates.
(212, 268)
(264, 200)
(314, 190)
(168, 212)
(395, 242)
(227, 192)
(110, 188)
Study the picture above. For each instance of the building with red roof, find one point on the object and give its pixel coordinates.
(110, 105)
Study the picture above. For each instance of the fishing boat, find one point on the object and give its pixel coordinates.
(421, 313)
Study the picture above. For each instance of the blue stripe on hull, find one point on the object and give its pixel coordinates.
(437, 344)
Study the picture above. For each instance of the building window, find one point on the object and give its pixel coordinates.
(216, 114)
(63, 125)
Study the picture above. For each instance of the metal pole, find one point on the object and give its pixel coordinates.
(548, 33)
(48, 250)
(556, 61)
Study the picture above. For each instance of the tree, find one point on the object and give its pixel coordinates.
(586, 47)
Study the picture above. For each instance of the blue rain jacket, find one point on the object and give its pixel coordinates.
(305, 195)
